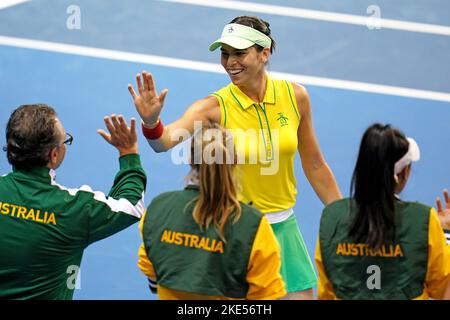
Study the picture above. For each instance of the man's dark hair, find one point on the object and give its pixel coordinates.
(30, 135)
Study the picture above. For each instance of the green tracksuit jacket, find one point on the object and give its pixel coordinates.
(45, 227)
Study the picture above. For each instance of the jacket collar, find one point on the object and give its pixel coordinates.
(43, 173)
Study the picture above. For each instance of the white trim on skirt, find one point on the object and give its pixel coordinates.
(279, 216)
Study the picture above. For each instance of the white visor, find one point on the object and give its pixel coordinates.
(412, 155)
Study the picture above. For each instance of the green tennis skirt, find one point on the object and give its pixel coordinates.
(297, 269)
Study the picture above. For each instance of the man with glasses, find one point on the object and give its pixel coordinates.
(45, 227)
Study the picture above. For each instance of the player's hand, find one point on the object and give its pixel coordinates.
(121, 136)
(444, 213)
(148, 103)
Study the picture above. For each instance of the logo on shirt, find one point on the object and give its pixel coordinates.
(192, 240)
(230, 30)
(21, 212)
(363, 249)
(283, 119)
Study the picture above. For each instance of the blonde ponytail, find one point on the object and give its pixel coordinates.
(218, 201)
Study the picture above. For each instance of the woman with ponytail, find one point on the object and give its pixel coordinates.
(374, 245)
(201, 242)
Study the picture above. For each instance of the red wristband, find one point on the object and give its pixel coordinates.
(153, 134)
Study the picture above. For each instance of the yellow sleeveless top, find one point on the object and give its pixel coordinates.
(265, 136)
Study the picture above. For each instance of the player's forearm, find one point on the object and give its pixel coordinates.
(167, 140)
(324, 184)
(160, 145)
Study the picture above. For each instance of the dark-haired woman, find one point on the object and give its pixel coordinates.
(374, 245)
(201, 242)
(271, 120)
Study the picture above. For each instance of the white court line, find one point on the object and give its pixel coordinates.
(9, 3)
(318, 15)
(216, 68)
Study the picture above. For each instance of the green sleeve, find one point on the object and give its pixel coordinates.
(124, 204)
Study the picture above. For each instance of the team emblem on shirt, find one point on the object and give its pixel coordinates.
(283, 119)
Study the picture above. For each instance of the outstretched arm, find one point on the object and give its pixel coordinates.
(149, 105)
(106, 215)
(314, 165)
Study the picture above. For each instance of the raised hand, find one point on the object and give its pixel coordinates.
(148, 103)
(444, 214)
(121, 136)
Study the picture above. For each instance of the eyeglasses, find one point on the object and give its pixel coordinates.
(69, 139)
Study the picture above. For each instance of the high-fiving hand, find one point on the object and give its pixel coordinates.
(121, 136)
(148, 103)
(444, 214)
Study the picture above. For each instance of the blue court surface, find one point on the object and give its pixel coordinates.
(355, 76)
